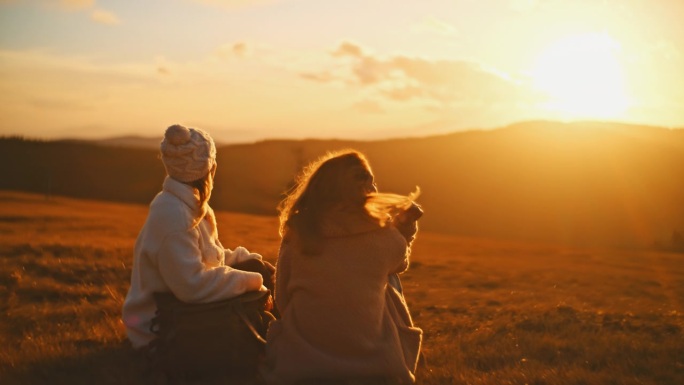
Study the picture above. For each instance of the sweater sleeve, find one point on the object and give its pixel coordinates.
(408, 229)
(180, 265)
(240, 254)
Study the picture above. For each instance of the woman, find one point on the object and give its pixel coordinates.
(341, 241)
(178, 249)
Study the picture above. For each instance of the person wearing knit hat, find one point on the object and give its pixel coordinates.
(178, 249)
(188, 153)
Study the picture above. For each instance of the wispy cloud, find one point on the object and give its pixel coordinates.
(240, 50)
(404, 93)
(403, 78)
(104, 17)
(322, 77)
(368, 107)
(348, 49)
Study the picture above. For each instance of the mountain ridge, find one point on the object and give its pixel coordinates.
(576, 183)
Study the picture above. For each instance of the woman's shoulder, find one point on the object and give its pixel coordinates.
(170, 213)
(387, 236)
(389, 233)
(339, 223)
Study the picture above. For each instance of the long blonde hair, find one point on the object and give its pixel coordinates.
(333, 180)
(203, 188)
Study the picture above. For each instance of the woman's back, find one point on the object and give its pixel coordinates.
(340, 317)
(335, 319)
(344, 287)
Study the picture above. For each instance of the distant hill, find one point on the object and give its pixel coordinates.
(130, 141)
(576, 183)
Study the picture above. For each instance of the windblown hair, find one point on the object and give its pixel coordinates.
(333, 181)
(387, 205)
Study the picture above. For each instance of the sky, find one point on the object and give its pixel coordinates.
(248, 70)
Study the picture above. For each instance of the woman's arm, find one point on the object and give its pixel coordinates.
(180, 264)
(240, 254)
(407, 222)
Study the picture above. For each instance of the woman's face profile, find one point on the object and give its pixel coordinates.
(365, 180)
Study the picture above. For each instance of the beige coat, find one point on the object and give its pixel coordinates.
(340, 318)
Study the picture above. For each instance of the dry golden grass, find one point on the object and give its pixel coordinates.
(493, 312)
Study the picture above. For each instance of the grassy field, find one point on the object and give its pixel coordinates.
(493, 312)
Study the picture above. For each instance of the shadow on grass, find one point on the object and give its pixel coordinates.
(118, 364)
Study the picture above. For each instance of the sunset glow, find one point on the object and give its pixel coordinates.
(255, 69)
(583, 77)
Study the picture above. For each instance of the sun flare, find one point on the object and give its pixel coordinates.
(582, 77)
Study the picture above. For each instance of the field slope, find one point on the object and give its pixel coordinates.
(493, 312)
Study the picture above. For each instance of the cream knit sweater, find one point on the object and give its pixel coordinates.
(173, 255)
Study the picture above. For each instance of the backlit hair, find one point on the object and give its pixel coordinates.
(331, 181)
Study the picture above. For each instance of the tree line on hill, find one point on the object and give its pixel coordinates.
(573, 183)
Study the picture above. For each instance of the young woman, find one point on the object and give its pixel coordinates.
(341, 243)
(178, 249)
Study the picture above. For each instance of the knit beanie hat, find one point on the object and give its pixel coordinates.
(188, 153)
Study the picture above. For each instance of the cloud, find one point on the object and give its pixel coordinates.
(104, 17)
(368, 107)
(403, 78)
(323, 77)
(348, 49)
(239, 49)
(404, 93)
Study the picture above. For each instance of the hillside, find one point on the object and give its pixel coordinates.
(492, 312)
(581, 183)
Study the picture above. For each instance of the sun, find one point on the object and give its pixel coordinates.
(582, 77)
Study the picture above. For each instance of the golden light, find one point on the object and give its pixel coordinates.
(583, 77)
